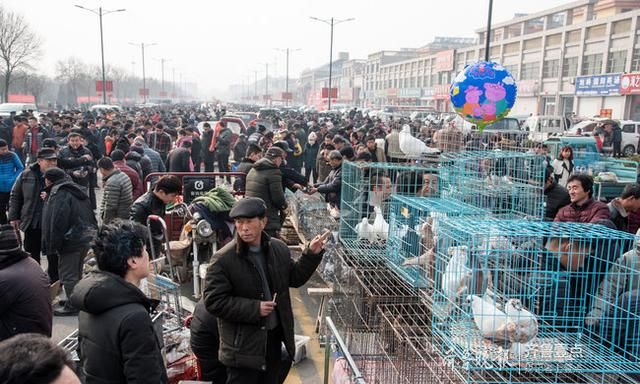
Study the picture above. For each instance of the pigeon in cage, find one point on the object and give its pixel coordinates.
(411, 146)
(365, 231)
(492, 322)
(457, 275)
(380, 225)
(526, 328)
(424, 259)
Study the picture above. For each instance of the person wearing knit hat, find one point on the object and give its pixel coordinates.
(68, 226)
(25, 303)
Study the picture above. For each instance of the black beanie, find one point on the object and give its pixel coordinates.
(54, 174)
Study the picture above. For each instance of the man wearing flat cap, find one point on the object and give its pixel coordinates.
(264, 181)
(247, 289)
(25, 206)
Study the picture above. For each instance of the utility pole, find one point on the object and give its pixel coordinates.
(255, 83)
(266, 83)
(144, 77)
(286, 80)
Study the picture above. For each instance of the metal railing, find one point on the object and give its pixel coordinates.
(333, 337)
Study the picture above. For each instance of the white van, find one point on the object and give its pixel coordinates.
(540, 128)
(7, 108)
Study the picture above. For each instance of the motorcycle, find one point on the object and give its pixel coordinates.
(206, 229)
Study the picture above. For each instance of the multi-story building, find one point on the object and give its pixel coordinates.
(566, 59)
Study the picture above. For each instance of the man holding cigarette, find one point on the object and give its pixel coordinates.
(247, 289)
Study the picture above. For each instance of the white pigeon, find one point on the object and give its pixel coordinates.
(490, 320)
(380, 226)
(365, 230)
(411, 146)
(526, 327)
(456, 275)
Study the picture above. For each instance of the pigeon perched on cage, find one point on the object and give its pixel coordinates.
(380, 225)
(411, 146)
(457, 275)
(365, 230)
(526, 326)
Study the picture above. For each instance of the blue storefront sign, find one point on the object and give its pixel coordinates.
(598, 85)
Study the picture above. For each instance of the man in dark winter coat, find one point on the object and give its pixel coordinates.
(25, 303)
(223, 148)
(208, 156)
(253, 154)
(179, 159)
(25, 206)
(556, 196)
(247, 289)
(332, 186)
(33, 140)
(117, 342)
(196, 148)
(68, 225)
(264, 180)
(77, 160)
(205, 343)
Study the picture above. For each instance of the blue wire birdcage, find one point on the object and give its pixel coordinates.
(509, 184)
(365, 197)
(412, 223)
(514, 297)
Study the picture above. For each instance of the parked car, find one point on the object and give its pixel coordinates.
(540, 128)
(266, 113)
(247, 117)
(104, 107)
(18, 108)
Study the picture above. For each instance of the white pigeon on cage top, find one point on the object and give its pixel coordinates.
(380, 225)
(457, 275)
(365, 230)
(493, 323)
(526, 327)
(411, 146)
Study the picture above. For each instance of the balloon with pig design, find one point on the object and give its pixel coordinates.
(483, 93)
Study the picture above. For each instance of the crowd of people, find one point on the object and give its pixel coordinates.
(52, 165)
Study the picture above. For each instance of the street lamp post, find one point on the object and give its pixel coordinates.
(144, 77)
(286, 81)
(331, 22)
(101, 13)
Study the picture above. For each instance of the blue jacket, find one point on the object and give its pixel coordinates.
(10, 168)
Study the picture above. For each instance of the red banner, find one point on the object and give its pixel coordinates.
(325, 93)
(630, 84)
(99, 86)
(143, 91)
(163, 94)
(20, 98)
(287, 96)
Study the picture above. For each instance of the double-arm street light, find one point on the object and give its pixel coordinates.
(144, 78)
(331, 22)
(100, 12)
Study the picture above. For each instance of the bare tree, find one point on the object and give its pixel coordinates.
(19, 46)
(74, 75)
(36, 85)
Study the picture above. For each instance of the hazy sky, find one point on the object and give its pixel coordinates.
(218, 43)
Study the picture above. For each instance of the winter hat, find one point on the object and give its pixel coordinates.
(55, 174)
(9, 242)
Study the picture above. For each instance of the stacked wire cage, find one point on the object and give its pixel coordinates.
(509, 184)
(413, 223)
(515, 301)
(365, 198)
